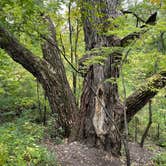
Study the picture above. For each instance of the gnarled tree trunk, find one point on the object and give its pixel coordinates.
(101, 117)
(100, 100)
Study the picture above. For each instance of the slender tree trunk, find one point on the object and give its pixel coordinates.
(72, 55)
(38, 100)
(136, 128)
(126, 133)
(76, 59)
(148, 125)
(158, 131)
(45, 110)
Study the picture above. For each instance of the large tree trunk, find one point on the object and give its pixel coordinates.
(51, 74)
(100, 99)
(63, 100)
(101, 118)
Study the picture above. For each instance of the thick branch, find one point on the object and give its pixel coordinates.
(19, 53)
(139, 99)
(50, 73)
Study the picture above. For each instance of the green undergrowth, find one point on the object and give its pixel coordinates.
(160, 159)
(20, 145)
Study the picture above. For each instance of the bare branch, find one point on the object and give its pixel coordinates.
(134, 14)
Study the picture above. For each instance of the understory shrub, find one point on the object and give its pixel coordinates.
(160, 159)
(20, 145)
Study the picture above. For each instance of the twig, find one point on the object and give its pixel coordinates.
(134, 14)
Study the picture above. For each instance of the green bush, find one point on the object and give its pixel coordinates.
(19, 145)
(160, 159)
(16, 104)
(3, 154)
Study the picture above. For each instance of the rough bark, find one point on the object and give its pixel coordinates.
(49, 72)
(65, 98)
(100, 98)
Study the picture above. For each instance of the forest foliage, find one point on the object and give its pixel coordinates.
(18, 88)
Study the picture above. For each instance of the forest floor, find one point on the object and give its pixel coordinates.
(77, 154)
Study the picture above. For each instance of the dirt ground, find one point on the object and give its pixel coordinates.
(77, 154)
